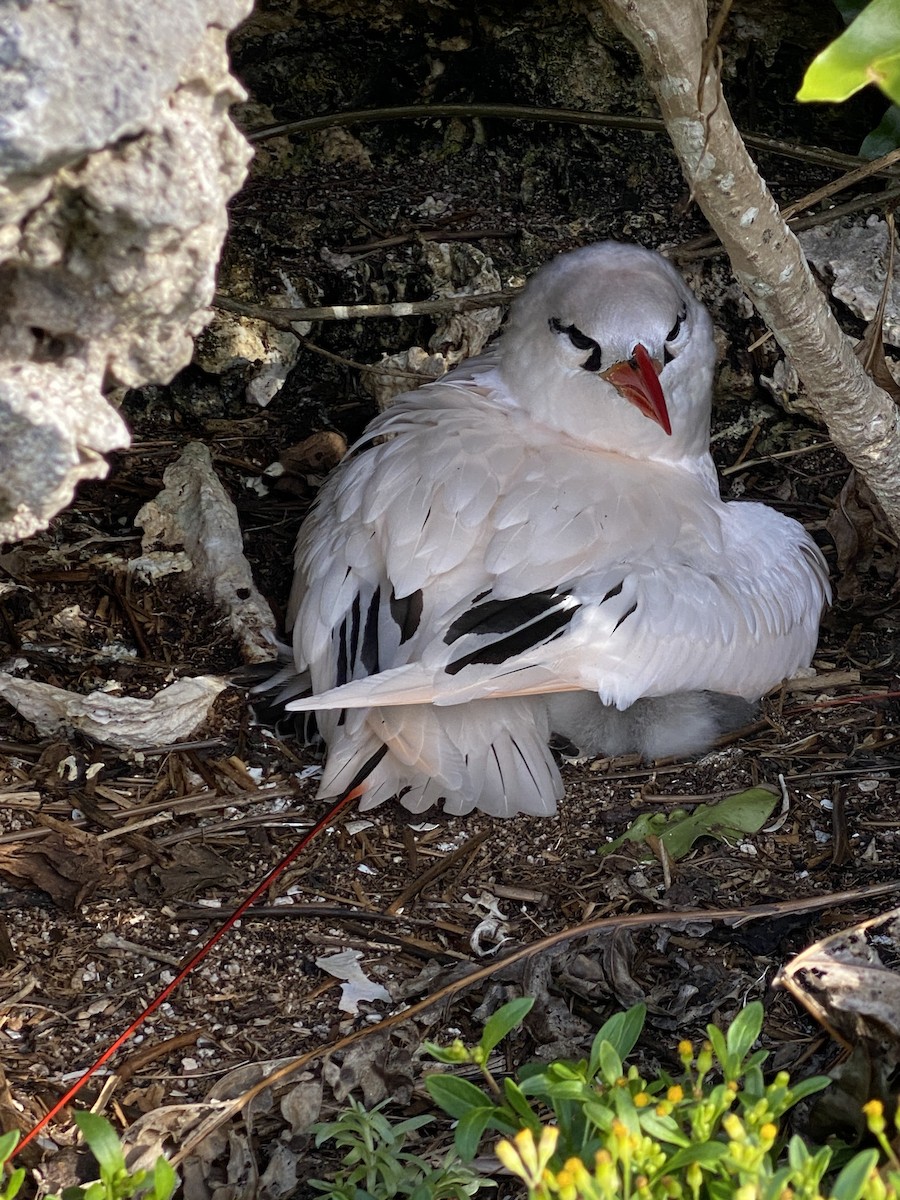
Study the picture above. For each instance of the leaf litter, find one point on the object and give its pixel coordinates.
(126, 856)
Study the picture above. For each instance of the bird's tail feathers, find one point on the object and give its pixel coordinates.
(416, 684)
(421, 755)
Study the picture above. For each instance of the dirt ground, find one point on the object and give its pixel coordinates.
(113, 867)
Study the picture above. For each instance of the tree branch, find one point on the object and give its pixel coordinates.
(863, 421)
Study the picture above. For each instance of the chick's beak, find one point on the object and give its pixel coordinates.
(638, 381)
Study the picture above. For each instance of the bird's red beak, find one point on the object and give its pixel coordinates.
(638, 381)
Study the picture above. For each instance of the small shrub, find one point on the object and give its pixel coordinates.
(602, 1132)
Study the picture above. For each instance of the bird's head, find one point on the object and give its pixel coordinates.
(609, 345)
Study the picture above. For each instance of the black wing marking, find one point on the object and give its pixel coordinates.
(509, 627)
(369, 656)
(407, 613)
(503, 616)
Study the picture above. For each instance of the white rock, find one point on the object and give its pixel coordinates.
(117, 158)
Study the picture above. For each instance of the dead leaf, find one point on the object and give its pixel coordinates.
(870, 348)
(66, 865)
(728, 820)
(316, 455)
(127, 722)
(356, 986)
(850, 982)
(851, 524)
(195, 514)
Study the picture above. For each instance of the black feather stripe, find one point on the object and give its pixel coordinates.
(552, 626)
(341, 672)
(625, 616)
(407, 613)
(369, 656)
(525, 763)
(503, 616)
(354, 628)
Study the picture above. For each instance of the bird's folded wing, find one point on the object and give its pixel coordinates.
(737, 625)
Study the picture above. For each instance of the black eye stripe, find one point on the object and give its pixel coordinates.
(676, 328)
(579, 340)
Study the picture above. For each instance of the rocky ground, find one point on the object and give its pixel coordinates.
(114, 865)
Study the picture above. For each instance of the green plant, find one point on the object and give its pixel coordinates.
(868, 51)
(9, 1188)
(116, 1182)
(378, 1166)
(602, 1132)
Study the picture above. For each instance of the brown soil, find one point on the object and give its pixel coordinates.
(112, 867)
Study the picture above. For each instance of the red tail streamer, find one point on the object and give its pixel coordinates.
(196, 958)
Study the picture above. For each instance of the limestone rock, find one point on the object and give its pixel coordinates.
(117, 158)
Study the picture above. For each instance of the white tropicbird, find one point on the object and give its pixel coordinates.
(536, 543)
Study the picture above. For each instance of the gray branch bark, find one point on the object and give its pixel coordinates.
(863, 421)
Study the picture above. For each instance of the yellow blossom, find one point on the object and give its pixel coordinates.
(641, 1100)
(733, 1126)
(675, 1093)
(525, 1158)
(874, 1110)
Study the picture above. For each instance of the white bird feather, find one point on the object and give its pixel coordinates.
(524, 547)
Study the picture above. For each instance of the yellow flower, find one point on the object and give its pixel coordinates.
(874, 1110)
(675, 1093)
(526, 1159)
(641, 1100)
(733, 1126)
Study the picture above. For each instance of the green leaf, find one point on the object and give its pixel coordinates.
(15, 1180)
(610, 1063)
(505, 1019)
(707, 1154)
(453, 1055)
(165, 1181)
(718, 1043)
(798, 1155)
(518, 1103)
(744, 1030)
(8, 1143)
(103, 1141)
(852, 1179)
(622, 1031)
(885, 137)
(868, 51)
(457, 1097)
(470, 1131)
(664, 1129)
(774, 1187)
(807, 1087)
(728, 820)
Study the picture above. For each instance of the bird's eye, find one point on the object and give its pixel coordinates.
(674, 333)
(676, 328)
(579, 340)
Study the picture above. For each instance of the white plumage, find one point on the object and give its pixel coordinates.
(536, 544)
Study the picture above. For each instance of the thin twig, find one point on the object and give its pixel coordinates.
(287, 318)
(523, 112)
